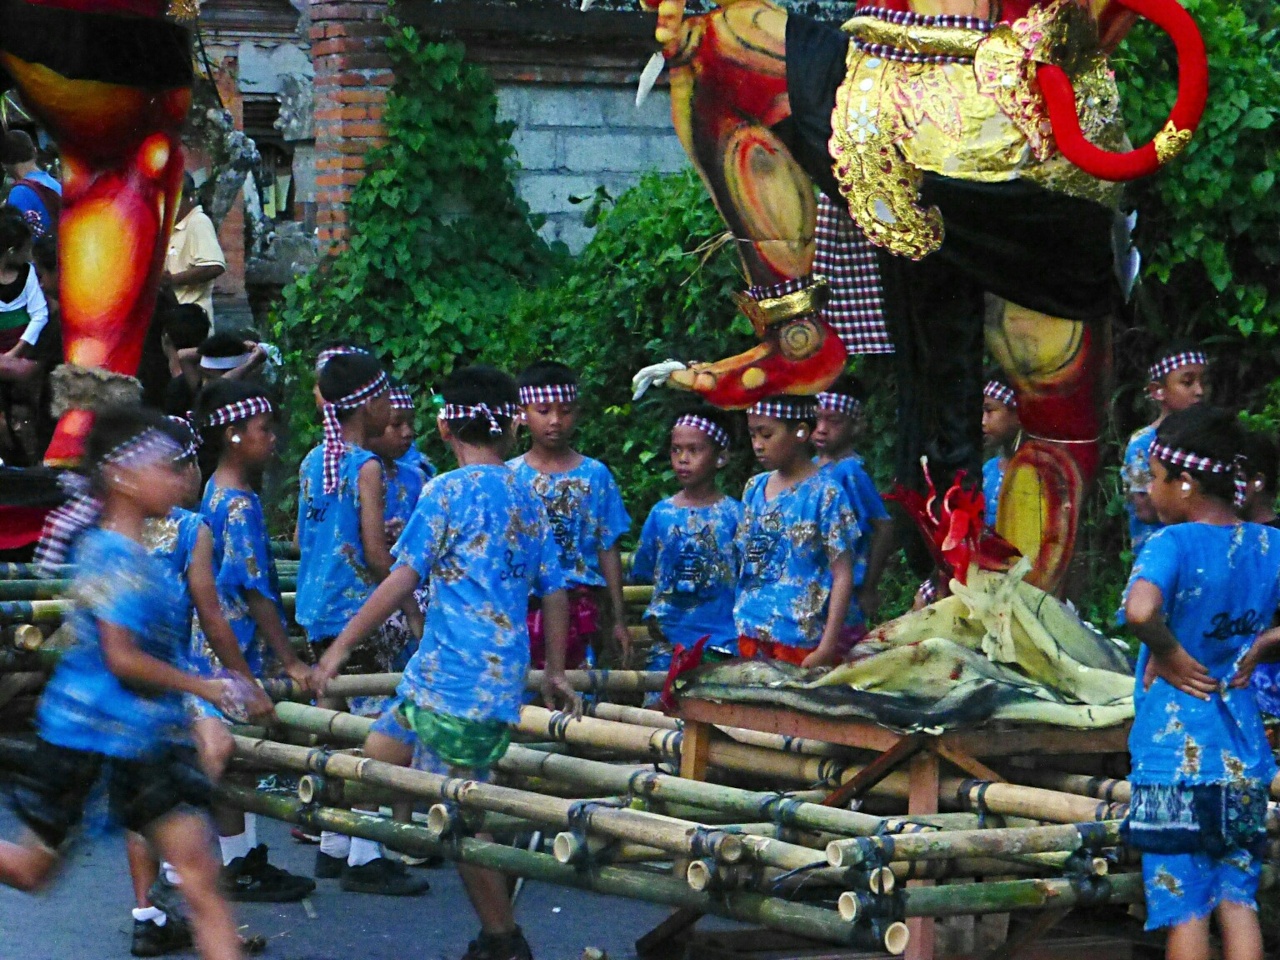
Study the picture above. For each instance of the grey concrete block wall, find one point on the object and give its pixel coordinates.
(572, 138)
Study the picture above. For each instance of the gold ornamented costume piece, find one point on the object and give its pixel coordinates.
(961, 102)
(1171, 141)
(773, 311)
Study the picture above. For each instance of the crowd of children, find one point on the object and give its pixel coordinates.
(463, 581)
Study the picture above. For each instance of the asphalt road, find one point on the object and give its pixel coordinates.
(85, 915)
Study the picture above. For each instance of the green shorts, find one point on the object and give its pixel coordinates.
(454, 742)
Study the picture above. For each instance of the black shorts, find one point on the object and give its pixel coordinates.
(51, 797)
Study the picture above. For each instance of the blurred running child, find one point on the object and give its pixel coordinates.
(584, 506)
(798, 537)
(1202, 594)
(482, 545)
(183, 542)
(343, 556)
(688, 546)
(1001, 432)
(113, 708)
(837, 430)
(237, 432)
(1176, 381)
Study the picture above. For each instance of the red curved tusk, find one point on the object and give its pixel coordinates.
(1193, 91)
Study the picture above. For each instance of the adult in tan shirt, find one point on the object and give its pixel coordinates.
(195, 258)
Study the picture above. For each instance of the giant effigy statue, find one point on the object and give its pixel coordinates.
(111, 82)
(978, 145)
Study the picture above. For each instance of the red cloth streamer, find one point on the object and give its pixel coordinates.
(683, 659)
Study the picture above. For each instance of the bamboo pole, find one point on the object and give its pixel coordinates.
(799, 919)
(649, 829)
(950, 844)
(55, 611)
(384, 684)
(953, 900)
(1100, 788)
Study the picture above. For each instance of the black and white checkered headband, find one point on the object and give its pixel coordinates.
(240, 410)
(333, 429)
(192, 445)
(459, 411)
(1166, 365)
(1192, 461)
(63, 526)
(716, 432)
(784, 410)
(401, 399)
(551, 393)
(997, 391)
(839, 403)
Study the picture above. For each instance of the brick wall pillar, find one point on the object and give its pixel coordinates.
(353, 75)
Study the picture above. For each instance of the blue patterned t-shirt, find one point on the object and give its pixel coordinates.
(242, 564)
(172, 540)
(1137, 479)
(404, 486)
(417, 460)
(787, 546)
(1221, 588)
(992, 481)
(690, 555)
(485, 546)
(334, 579)
(867, 504)
(84, 706)
(586, 512)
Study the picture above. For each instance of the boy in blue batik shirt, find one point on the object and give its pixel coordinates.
(798, 537)
(1176, 382)
(688, 548)
(1001, 430)
(401, 427)
(1202, 594)
(839, 422)
(584, 506)
(483, 546)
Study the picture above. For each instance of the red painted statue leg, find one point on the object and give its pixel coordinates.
(1060, 369)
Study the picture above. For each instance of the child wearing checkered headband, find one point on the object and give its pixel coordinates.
(1175, 382)
(798, 536)
(1202, 599)
(113, 712)
(1001, 430)
(236, 423)
(585, 508)
(688, 546)
(839, 422)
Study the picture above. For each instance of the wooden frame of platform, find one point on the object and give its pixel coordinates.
(920, 753)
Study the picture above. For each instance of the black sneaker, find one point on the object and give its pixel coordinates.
(502, 946)
(168, 897)
(250, 879)
(327, 867)
(150, 939)
(384, 877)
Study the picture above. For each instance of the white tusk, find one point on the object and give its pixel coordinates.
(654, 375)
(649, 76)
(587, 5)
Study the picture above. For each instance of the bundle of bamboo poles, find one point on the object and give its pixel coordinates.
(616, 824)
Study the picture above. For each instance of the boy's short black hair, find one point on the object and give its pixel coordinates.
(346, 373)
(14, 229)
(1263, 454)
(222, 345)
(547, 373)
(187, 326)
(215, 394)
(480, 384)
(1204, 431)
(724, 419)
(1172, 349)
(997, 375)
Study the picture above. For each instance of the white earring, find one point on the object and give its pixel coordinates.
(235, 439)
(800, 434)
(1186, 487)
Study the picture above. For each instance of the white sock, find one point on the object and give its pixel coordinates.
(335, 844)
(363, 851)
(251, 829)
(233, 847)
(154, 914)
(171, 874)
